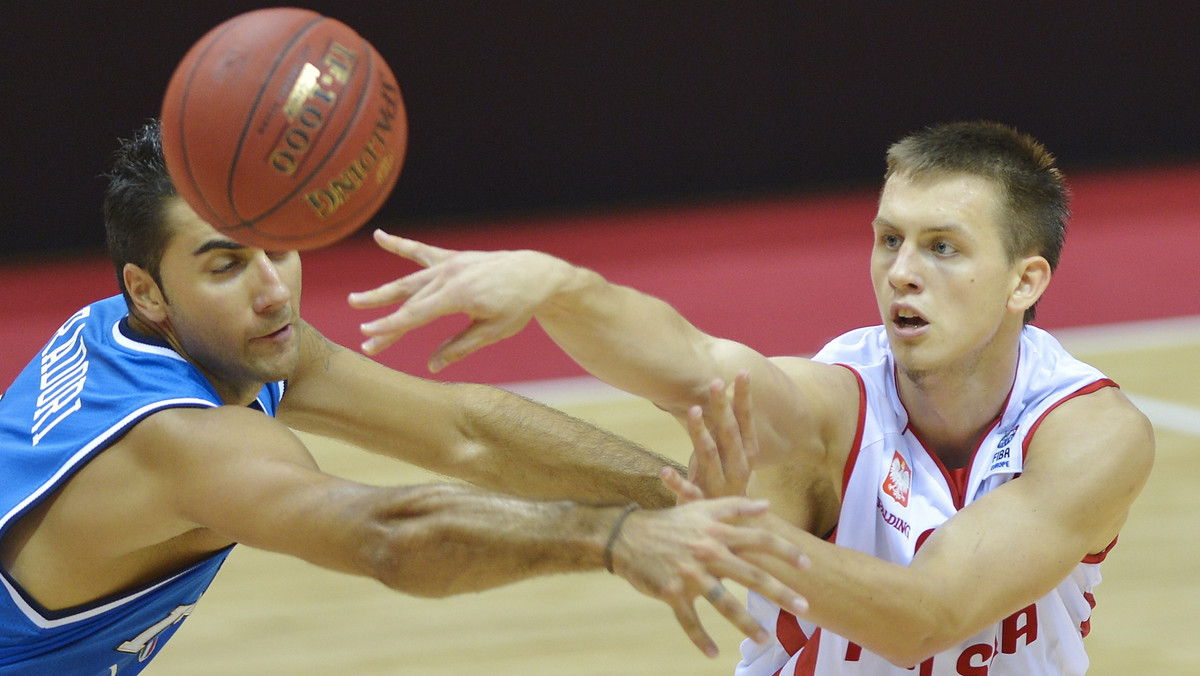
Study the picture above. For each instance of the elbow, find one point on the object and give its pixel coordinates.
(398, 561)
(407, 550)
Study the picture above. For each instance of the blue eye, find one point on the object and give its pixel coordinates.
(944, 248)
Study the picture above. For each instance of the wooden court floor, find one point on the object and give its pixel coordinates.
(268, 614)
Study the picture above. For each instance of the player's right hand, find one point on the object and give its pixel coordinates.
(498, 290)
(678, 555)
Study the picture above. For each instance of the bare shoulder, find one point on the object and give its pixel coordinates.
(1093, 455)
(198, 439)
(1103, 428)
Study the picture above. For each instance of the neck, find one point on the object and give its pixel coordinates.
(237, 396)
(950, 409)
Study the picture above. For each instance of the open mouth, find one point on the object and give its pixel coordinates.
(907, 319)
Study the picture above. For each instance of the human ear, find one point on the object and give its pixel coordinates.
(1033, 278)
(143, 290)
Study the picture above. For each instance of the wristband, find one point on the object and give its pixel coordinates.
(616, 530)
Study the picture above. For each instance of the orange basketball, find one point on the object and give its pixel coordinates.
(284, 129)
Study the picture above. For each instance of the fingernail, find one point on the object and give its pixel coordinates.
(437, 364)
(799, 606)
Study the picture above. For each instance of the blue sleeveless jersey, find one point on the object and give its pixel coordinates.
(91, 383)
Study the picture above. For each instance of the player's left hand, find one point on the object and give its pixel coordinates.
(724, 444)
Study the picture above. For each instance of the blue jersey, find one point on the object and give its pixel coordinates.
(91, 383)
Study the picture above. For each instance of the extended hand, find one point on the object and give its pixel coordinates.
(498, 290)
(679, 554)
(724, 444)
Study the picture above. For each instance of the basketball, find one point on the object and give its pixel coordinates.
(284, 129)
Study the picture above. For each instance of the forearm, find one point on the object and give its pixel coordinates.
(439, 540)
(893, 611)
(631, 340)
(518, 446)
(477, 433)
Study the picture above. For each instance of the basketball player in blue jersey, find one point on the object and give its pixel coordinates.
(151, 434)
(955, 476)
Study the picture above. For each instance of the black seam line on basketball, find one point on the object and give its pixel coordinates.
(303, 30)
(382, 195)
(369, 56)
(183, 107)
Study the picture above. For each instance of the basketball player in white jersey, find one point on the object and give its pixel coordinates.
(955, 476)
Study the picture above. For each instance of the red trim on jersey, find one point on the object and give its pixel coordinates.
(1086, 389)
(958, 478)
(852, 458)
(1099, 557)
(1085, 627)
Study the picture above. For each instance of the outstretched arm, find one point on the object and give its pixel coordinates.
(631, 340)
(635, 341)
(482, 434)
(251, 481)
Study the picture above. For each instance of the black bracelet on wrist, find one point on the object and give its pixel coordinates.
(616, 530)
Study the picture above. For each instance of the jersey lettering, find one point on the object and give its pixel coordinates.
(976, 660)
(64, 371)
(1021, 624)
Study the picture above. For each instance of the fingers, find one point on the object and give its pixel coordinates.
(685, 614)
(398, 290)
(734, 609)
(731, 510)
(477, 335)
(734, 564)
(684, 490)
(742, 407)
(421, 305)
(729, 439)
(424, 255)
(727, 604)
(705, 468)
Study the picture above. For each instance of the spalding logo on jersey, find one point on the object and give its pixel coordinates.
(898, 480)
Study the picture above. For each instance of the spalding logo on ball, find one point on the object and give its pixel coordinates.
(284, 129)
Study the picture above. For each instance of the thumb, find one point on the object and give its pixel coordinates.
(478, 335)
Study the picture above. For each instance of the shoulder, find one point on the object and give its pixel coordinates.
(212, 432)
(1094, 452)
(1103, 423)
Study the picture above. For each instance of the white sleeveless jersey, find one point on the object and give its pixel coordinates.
(895, 493)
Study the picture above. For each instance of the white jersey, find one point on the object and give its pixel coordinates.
(895, 493)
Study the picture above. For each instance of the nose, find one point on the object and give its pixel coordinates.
(904, 272)
(271, 291)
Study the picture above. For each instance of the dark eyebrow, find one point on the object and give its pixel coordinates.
(226, 244)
